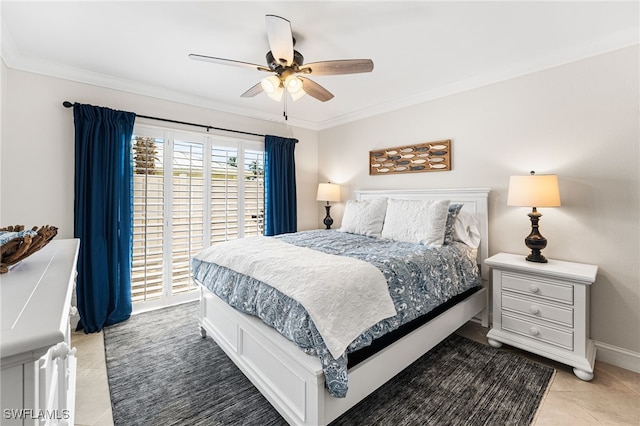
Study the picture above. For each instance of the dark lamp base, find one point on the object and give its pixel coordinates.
(536, 256)
(535, 241)
(327, 220)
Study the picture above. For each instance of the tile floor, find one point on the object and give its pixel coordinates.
(611, 398)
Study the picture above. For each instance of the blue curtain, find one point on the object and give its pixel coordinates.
(102, 214)
(280, 185)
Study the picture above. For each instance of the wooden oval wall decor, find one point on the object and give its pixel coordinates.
(426, 157)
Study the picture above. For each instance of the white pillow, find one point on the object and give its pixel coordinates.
(364, 217)
(466, 230)
(416, 221)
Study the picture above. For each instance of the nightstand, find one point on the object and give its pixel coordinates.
(543, 308)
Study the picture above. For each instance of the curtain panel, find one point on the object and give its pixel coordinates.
(280, 185)
(102, 214)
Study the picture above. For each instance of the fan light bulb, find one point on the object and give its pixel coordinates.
(270, 83)
(293, 84)
(295, 87)
(272, 87)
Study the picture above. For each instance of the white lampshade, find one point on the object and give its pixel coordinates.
(328, 192)
(534, 191)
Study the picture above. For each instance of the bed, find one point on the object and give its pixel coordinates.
(307, 386)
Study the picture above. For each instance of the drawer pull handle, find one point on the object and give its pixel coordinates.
(534, 310)
(534, 331)
(533, 288)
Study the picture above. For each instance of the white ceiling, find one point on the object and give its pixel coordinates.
(421, 50)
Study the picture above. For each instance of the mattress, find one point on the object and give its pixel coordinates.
(419, 279)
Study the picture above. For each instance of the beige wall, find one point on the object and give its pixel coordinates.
(579, 121)
(37, 159)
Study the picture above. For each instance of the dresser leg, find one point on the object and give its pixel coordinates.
(583, 375)
(494, 343)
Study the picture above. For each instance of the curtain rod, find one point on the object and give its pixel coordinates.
(68, 104)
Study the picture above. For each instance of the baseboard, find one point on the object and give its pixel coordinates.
(610, 354)
(619, 357)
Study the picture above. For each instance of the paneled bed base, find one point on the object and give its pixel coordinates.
(293, 381)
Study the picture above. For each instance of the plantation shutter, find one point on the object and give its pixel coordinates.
(254, 193)
(190, 191)
(187, 211)
(224, 194)
(148, 218)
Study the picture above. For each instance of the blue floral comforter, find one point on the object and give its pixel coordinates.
(420, 278)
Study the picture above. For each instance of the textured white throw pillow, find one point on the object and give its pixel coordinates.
(466, 229)
(364, 217)
(416, 221)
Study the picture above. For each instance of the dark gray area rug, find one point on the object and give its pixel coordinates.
(161, 372)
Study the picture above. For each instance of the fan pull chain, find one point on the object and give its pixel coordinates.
(284, 105)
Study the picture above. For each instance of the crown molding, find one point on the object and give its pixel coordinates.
(56, 70)
(14, 60)
(616, 41)
(621, 39)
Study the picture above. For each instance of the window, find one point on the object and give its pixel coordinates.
(190, 191)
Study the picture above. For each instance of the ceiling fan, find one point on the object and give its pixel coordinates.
(288, 68)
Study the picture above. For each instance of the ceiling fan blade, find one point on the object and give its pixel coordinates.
(232, 62)
(344, 66)
(253, 91)
(280, 39)
(313, 89)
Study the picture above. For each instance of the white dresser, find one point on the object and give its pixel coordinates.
(544, 308)
(38, 366)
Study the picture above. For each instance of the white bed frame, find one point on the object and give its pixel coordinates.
(293, 381)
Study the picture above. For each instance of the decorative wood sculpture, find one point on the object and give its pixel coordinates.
(425, 157)
(20, 248)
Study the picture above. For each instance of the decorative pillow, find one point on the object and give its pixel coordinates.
(466, 229)
(364, 217)
(454, 210)
(416, 221)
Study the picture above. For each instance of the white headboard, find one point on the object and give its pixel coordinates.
(475, 201)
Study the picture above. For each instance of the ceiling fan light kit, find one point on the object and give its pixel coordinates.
(287, 66)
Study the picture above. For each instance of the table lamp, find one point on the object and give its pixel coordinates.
(534, 191)
(328, 192)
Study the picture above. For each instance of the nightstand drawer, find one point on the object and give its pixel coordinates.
(538, 332)
(531, 306)
(538, 288)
